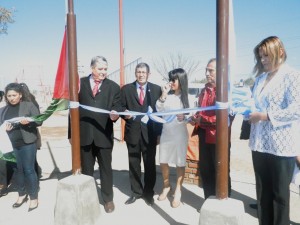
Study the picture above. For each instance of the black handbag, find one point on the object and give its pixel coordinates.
(245, 130)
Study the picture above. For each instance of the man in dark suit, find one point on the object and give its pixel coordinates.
(141, 138)
(96, 129)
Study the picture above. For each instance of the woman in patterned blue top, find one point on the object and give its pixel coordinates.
(274, 137)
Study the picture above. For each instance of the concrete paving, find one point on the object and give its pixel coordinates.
(55, 161)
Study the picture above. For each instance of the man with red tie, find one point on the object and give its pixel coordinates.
(141, 137)
(96, 129)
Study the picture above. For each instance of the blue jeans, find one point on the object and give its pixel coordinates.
(26, 176)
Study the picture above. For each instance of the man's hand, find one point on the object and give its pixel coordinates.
(298, 161)
(113, 115)
(127, 117)
(191, 120)
(158, 140)
(194, 120)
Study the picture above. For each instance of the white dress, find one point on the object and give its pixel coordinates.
(174, 138)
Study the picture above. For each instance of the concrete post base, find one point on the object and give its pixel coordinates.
(77, 201)
(227, 211)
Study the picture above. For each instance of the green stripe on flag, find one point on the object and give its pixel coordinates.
(56, 105)
(10, 156)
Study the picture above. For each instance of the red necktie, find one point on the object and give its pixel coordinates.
(142, 96)
(96, 87)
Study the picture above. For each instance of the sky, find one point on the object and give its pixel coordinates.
(152, 29)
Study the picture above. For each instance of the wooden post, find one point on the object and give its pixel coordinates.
(73, 88)
(222, 97)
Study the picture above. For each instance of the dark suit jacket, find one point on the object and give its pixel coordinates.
(94, 126)
(27, 109)
(134, 127)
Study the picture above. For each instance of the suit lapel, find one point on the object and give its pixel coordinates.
(134, 91)
(103, 85)
(148, 94)
(86, 85)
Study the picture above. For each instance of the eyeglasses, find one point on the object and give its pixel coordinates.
(141, 72)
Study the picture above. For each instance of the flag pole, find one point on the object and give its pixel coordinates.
(222, 97)
(122, 80)
(121, 43)
(73, 88)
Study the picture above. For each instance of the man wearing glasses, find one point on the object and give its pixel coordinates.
(141, 137)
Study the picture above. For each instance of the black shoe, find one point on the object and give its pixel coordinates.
(33, 208)
(17, 205)
(3, 191)
(253, 206)
(149, 201)
(131, 200)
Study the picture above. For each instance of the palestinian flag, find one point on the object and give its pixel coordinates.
(60, 99)
(6, 147)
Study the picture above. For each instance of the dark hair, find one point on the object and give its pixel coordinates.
(1, 95)
(27, 96)
(143, 65)
(182, 77)
(13, 87)
(26, 93)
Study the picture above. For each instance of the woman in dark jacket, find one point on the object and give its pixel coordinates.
(23, 134)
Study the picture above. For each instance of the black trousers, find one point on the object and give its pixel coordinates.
(135, 153)
(273, 175)
(207, 166)
(89, 154)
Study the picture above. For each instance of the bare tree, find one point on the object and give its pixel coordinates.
(6, 17)
(175, 60)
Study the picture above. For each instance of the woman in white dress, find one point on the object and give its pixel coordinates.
(174, 138)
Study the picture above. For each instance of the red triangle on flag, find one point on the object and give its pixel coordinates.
(61, 86)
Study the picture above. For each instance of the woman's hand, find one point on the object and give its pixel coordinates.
(255, 117)
(180, 117)
(24, 121)
(165, 89)
(8, 126)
